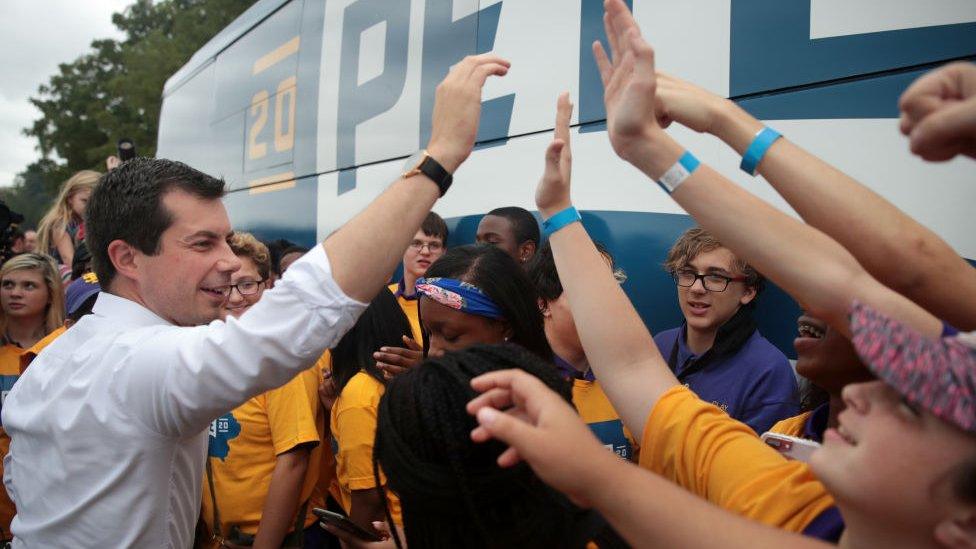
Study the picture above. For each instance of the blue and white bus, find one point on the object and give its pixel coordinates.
(308, 108)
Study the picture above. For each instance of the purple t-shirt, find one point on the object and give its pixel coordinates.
(755, 385)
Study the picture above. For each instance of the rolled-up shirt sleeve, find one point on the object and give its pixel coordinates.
(176, 380)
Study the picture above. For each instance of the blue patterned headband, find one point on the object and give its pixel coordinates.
(460, 296)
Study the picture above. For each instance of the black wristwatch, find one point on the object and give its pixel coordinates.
(423, 163)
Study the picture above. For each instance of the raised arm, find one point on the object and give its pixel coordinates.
(897, 250)
(813, 268)
(367, 249)
(623, 346)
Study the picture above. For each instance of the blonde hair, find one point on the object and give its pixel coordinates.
(44, 263)
(245, 245)
(60, 214)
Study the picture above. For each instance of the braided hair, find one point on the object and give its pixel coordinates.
(451, 489)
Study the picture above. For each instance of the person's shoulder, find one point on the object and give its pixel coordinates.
(761, 349)
(361, 388)
(667, 336)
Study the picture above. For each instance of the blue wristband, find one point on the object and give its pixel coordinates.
(757, 149)
(560, 220)
(678, 172)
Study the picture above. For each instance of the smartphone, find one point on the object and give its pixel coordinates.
(796, 448)
(343, 523)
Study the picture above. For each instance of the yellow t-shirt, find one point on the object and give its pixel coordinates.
(353, 431)
(13, 362)
(701, 448)
(245, 443)
(412, 310)
(597, 412)
(793, 426)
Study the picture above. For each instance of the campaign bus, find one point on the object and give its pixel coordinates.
(308, 109)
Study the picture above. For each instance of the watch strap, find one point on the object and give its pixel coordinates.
(433, 169)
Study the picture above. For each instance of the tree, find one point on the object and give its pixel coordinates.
(113, 91)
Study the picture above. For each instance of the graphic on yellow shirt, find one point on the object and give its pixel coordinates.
(244, 446)
(596, 411)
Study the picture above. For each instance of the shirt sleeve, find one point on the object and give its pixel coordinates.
(356, 430)
(702, 449)
(291, 415)
(179, 379)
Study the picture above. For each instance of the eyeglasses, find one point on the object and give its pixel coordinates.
(246, 287)
(433, 247)
(712, 282)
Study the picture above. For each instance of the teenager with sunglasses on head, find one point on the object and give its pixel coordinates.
(918, 496)
(263, 456)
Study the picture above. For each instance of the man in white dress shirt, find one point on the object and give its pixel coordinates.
(109, 424)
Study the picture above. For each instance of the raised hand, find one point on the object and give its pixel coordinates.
(457, 108)
(938, 113)
(552, 194)
(629, 83)
(540, 428)
(393, 361)
(687, 104)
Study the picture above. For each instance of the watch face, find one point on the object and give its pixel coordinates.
(414, 161)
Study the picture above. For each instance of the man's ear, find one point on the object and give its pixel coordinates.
(123, 257)
(526, 250)
(544, 308)
(958, 530)
(748, 295)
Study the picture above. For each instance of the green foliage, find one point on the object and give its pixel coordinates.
(113, 91)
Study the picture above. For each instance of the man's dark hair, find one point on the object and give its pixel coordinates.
(127, 205)
(434, 226)
(524, 225)
(542, 271)
(505, 283)
(382, 324)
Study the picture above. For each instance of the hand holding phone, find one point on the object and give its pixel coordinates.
(343, 523)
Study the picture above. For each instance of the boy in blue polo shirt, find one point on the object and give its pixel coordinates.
(718, 352)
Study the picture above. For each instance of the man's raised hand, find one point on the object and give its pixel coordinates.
(457, 108)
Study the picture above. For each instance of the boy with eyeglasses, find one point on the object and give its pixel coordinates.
(718, 352)
(427, 246)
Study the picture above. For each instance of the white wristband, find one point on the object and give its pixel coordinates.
(677, 173)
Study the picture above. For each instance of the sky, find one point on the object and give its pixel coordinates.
(35, 36)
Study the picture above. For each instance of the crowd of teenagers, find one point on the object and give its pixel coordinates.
(168, 381)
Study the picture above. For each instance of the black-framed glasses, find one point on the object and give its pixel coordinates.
(246, 287)
(712, 282)
(432, 246)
